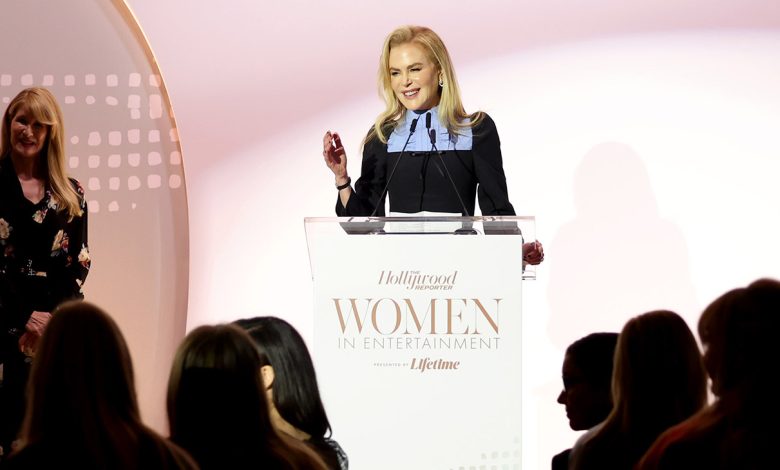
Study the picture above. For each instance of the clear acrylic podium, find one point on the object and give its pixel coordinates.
(417, 338)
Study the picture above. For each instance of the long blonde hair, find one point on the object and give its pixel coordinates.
(451, 111)
(41, 103)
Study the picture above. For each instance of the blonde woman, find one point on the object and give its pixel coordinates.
(425, 119)
(44, 257)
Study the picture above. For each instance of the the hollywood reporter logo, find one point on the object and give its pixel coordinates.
(414, 280)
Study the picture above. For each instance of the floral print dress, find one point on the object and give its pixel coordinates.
(44, 255)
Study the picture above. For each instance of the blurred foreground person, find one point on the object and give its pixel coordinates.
(658, 381)
(82, 411)
(587, 383)
(740, 430)
(217, 408)
(291, 387)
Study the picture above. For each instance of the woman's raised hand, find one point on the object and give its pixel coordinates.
(335, 157)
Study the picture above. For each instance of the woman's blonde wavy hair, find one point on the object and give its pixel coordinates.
(451, 111)
(41, 103)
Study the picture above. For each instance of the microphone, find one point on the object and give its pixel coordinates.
(432, 134)
(412, 128)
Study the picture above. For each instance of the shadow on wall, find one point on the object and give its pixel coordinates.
(618, 257)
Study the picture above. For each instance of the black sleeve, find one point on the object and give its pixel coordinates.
(489, 167)
(368, 188)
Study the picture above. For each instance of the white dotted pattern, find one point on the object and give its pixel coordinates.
(115, 138)
(153, 181)
(94, 139)
(153, 159)
(133, 183)
(93, 161)
(140, 105)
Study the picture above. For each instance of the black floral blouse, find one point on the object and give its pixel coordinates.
(45, 256)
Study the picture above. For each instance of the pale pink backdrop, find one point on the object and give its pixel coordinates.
(641, 134)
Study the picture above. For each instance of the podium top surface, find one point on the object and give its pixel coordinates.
(427, 225)
(410, 218)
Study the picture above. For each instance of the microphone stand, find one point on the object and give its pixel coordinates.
(432, 135)
(412, 128)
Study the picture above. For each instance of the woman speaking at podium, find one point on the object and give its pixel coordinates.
(424, 150)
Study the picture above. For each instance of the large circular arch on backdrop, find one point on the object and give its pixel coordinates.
(122, 144)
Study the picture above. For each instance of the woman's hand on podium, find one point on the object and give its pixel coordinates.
(533, 253)
(335, 157)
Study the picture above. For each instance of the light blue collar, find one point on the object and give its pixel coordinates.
(420, 142)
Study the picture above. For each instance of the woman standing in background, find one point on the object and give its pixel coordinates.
(44, 256)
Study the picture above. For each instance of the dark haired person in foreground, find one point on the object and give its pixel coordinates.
(82, 411)
(587, 381)
(217, 408)
(658, 382)
(740, 430)
(291, 387)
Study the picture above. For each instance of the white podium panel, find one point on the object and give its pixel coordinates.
(417, 341)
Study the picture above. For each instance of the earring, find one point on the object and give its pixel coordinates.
(441, 81)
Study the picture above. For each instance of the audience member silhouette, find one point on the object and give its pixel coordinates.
(217, 408)
(740, 430)
(658, 381)
(291, 387)
(82, 410)
(587, 381)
